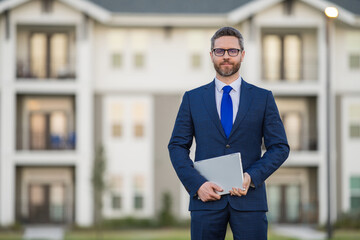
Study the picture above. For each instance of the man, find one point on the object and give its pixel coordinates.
(226, 116)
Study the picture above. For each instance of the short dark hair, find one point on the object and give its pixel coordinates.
(228, 31)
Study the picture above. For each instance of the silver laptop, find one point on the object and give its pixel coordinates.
(225, 171)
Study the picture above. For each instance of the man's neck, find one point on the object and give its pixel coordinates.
(228, 80)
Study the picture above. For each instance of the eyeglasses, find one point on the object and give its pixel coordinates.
(232, 52)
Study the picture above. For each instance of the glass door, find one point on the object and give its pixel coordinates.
(284, 203)
(47, 203)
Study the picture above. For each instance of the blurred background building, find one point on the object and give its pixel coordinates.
(78, 74)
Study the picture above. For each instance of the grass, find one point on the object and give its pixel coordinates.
(346, 235)
(164, 234)
(160, 234)
(10, 235)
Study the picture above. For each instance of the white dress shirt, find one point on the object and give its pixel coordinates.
(234, 94)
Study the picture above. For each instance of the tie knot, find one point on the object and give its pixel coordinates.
(227, 89)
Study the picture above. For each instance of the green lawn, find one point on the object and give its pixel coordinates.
(164, 234)
(347, 235)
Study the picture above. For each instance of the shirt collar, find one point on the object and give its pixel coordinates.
(235, 84)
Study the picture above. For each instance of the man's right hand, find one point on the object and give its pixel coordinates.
(207, 192)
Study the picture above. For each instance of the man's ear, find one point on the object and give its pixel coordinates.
(242, 56)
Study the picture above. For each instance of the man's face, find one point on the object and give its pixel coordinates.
(227, 65)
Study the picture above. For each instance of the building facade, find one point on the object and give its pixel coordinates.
(77, 75)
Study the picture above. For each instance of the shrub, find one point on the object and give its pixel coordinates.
(348, 221)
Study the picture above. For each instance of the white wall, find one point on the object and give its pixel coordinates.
(350, 150)
(128, 156)
(167, 59)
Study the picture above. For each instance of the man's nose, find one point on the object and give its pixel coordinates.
(226, 55)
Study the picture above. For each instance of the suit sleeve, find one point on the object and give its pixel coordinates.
(277, 148)
(179, 149)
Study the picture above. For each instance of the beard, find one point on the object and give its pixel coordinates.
(227, 72)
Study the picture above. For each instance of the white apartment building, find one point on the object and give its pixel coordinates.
(79, 74)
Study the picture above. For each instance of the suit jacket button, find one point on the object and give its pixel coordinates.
(227, 146)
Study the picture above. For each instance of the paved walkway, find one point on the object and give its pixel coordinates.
(44, 232)
(303, 232)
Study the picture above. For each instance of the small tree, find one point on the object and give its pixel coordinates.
(98, 186)
(166, 218)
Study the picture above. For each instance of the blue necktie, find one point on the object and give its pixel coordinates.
(226, 111)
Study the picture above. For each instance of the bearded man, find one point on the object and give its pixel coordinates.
(226, 116)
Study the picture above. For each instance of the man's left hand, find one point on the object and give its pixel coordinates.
(246, 184)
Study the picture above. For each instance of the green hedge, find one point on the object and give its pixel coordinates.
(348, 221)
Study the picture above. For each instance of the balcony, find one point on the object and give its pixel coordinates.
(45, 53)
(299, 115)
(45, 122)
(289, 55)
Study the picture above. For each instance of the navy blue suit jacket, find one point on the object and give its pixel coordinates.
(257, 118)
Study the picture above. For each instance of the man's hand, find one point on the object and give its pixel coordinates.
(246, 184)
(207, 192)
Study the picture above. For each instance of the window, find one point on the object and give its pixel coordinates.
(292, 123)
(354, 61)
(139, 40)
(139, 119)
(282, 59)
(195, 61)
(352, 39)
(354, 121)
(139, 187)
(354, 130)
(195, 44)
(355, 193)
(139, 60)
(138, 201)
(116, 202)
(139, 130)
(49, 55)
(116, 39)
(117, 130)
(117, 115)
(117, 60)
(116, 185)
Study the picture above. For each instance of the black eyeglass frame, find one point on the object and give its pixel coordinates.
(227, 50)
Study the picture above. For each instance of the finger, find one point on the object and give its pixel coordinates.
(217, 188)
(243, 192)
(236, 192)
(215, 196)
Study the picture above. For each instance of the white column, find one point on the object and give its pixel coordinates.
(85, 126)
(252, 38)
(7, 171)
(322, 181)
(7, 129)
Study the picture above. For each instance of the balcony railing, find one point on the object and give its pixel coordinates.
(42, 72)
(41, 141)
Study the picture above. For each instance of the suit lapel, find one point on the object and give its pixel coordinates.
(245, 102)
(210, 104)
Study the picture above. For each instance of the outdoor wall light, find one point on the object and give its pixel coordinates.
(331, 12)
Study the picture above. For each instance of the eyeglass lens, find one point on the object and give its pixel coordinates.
(233, 52)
